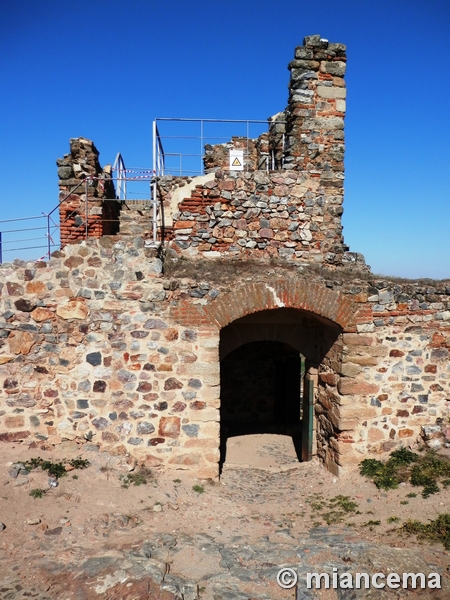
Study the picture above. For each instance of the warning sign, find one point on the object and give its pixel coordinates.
(236, 160)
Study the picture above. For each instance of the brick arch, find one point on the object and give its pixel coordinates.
(282, 293)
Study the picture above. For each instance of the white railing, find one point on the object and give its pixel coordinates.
(42, 232)
(179, 144)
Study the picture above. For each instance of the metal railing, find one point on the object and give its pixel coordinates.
(43, 231)
(182, 154)
(179, 144)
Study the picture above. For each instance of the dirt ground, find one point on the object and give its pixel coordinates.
(266, 505)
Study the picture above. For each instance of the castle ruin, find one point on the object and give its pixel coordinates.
(250, 314)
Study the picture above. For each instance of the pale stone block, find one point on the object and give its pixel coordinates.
(358, 412)
(350, 369)
(331, 93)
(365, 328)
(205, 415)
(341, 105)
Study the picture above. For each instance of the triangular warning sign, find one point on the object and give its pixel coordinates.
(236, 162)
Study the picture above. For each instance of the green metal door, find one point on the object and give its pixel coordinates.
(307, 418)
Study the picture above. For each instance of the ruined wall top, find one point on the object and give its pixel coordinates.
(288, 201)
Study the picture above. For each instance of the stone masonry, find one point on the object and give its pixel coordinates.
(87, 195)
(122, 344)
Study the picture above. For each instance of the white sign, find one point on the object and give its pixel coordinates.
(236, 160)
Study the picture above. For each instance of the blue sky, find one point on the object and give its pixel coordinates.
(105, 69)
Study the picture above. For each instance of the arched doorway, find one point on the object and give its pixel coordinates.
(269, 365)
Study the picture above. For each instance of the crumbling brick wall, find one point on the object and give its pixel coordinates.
(87, 206)
(293, 211)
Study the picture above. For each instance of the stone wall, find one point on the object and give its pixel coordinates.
(261, 214)
(99, 345)
(90, 210)
(293, 212)
(117, 343)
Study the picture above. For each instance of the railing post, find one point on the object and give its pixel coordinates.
(201, 147)
(48, 237)
(247, 134)
(155, 212)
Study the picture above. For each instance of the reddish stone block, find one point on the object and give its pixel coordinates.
(405, 433)
(330, 378)
(14, 436)
(14, 289)
(20, 342)
(349, 386)
(396, 353)
(197, 405)
(145, 386)
(73, 261)
(184, 225)
(14, 421)
(42, 314)
(402, 413)
(172, 384)
(227, 184)
(169, 427)
(36, 287)
(171, 334)
(354, 339)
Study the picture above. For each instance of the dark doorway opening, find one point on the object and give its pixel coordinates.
(261, 388)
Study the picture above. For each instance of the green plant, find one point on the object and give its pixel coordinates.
(38, 493)
(393, 519)
(435, 531)
(344, 503)
(404, 502)
(411, 495)
(177, 480)
(198, 488)
(404, 465)
(55, 469)
(79, 463)
(371, 524)
(136, 479)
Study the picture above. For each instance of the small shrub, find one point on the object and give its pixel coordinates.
(38, 493)
(404, 465)
(435, 531)
(393, 519)
(55, 469)
(136, 479)
(371, 523)
(198, 488)
(79, 463)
